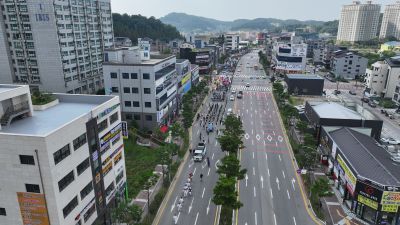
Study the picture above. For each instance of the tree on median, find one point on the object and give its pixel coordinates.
(225, 193)
(230, 167)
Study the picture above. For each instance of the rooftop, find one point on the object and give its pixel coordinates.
(42, 123)
(304, 76)
(6, 87)
(334, 110)
(392, 43)
(366, 157)
(393, 61)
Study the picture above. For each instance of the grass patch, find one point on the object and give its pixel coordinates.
(387, 103)
(296, 100)
(140, 162)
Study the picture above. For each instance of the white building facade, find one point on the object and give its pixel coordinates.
(55, 46)
(358, 22)
(147, 86)
(232, 41)
(67, 158)
(348, 65)
(289, 57)
(376, 77)
(391, 21)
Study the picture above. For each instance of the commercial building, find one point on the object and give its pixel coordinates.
(358, 22)
(390, 26)
(289, 57)
(390, 46)
(232, 42)
(348, 65)
(376, 77)
(203, 57)
(184, 76)
(57, 46)
(194, 69)
(65, 157)
(365, 175)
(333, 114)
(146, 85)
(392, 87)
(304, 84)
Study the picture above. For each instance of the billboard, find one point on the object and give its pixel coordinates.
(33, 208)
(186, 78)
(391, 198)
(348, 175)
(110, 135)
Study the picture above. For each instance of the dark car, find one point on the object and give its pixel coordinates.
(352, 92)
(383, 111)
(336, 92)
(366, 100)
(372, 104)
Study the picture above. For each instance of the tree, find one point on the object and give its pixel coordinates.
(230, 167)
(321, 187)
(150, 183)
(233, 126)
(176, 130)
(230, 143)
(302, 126)
(309, 140)
(125, 213)
(225, 193)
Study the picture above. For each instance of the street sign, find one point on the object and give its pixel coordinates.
(298, 171)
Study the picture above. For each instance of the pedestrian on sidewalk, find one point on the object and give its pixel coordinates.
(190, 151)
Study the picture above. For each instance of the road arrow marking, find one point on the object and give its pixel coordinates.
(262, 182)
(283, 173)
(268, 171)
(194, 171)
(173, 205)
(204, 189)
(280, 139)
(247, 177)
(255, 217)
(294, 221)
(293, 181)
(269, 138)
(274, 219)
(191, 205)
(287, 191)
(208, 206)
(253, 155)
(254, 191)
(277, 183)
(246, 136)
(212, 157)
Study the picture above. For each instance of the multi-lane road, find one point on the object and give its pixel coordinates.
(270, 192)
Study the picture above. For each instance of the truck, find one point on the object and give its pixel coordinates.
(200, 152)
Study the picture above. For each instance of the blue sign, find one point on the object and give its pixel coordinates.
(187, 86)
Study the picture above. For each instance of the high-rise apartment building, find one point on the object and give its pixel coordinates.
(63, 162)
(55, 46)
(391, 21)
(358, 22)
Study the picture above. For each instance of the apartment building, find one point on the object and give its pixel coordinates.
(348, 65)
(390, 26)
(232, 42)
(358, 22)
(375, 78)
(67, 157)
(55, 46)
(146, 85)
(289, 57)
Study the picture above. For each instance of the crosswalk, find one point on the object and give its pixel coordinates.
(251, 88)
(248, 76)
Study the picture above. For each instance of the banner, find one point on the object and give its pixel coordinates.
(368, 202)
(33, 208)
(390, 198)
(348, 175)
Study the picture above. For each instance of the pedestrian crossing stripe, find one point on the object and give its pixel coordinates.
(248, 76)
(251, 88)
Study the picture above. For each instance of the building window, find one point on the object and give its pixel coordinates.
(70, 206)
(127, 90)
(135, 90)
(128, 104)
(82, 166)
(147, 104)
(128, 116)
(136, 104)
(61, 154)
(147, 91)
(125, 75)
(86, 190)
(133, 75)
(113, 75)
(109, 189)
(64, 182)
(149, 117)
(33, 188)
(114, 117)
(79, 141)
(3, 212)
(27, 159)
(102, 125)
(136, 117)
(146, 76)
(114, 89)
(89, 213)
(119, 177)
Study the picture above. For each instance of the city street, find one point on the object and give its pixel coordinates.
(270, 191)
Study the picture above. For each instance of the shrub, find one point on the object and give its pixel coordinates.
(39, 98)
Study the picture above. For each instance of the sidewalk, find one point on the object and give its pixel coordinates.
(335, 212)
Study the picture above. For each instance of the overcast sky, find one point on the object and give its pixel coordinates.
(238, 9)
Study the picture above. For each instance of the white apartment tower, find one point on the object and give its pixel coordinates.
(391, 21)
(67, 158)
(358, 22)
(55, 46)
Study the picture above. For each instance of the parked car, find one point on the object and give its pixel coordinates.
(391, 116)
(352, 92)
(383, 111)
(372, 104)
(248, 85)
(229, 111)
(232, 98)
(336, 92)
(384, 140)
(366, 100)
(393, 141)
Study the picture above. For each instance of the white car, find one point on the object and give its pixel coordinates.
(229, 111)
(248, 85)
(233, 91)
(393, 141)
(232, 98)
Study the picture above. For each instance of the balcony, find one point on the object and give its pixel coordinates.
(164, 86)
(13, 112)
(165, 71)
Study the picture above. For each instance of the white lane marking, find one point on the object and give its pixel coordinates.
(255, 217)
(268, 172)
(277, 183)
(191, 163)
(251, 115)
(198, 131)
(270, 191)
(173, 204)
(212, 157)
(204, 164)
(264, 143)
(254, 191)
(253, 155)
(197, 216)
(266, 156)
(276, 143)
(288, 195)
(283, 173)
(262, 182)
(208, 173)
(254, 171)
(263, 133)
(191, 205)
(273, 132)
(194, 171)
(294, 220)
(204, 189)
(252, 142)
(252, 131)
(274, 219)
(272, 123)
(216, 164)
(216, 143)
(293, 181)
(279, 156)
(251, 122)
(177, 218)
(208, 206)
(246, 178)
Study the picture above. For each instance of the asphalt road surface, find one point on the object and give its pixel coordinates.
(270, 192)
